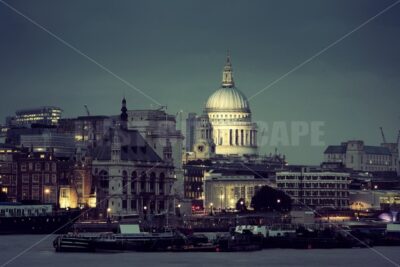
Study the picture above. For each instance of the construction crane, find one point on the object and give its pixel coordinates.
(383, 135)
(87, 110)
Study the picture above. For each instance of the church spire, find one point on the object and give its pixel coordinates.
(227, 77)
(124, 115)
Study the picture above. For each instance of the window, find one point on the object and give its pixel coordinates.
(54, 167)
(103, 177)
(64, 193)
(35, 193)
(152, 181)
(23, 167)
(25, 178)
(25, 193)
(161, 183)
(54, 178)
(38, 167)
(35, 179)
(47, 178)
(133, 204)
(124, 181)
(143, 182)
(133, 182)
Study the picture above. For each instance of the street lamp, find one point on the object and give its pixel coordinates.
(278, 201)
(211, 207)
(145, 212)
(108, 215)
(47, 193)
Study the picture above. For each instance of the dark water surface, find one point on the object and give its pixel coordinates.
(43, 254)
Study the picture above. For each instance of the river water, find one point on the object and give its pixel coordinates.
(43, 254)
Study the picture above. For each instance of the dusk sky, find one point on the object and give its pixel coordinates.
(174, 51)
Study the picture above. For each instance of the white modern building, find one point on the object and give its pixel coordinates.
(46, 115)
(313, 188)
(223, 191)
(61, 144)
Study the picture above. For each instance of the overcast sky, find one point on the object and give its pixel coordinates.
(174, 51)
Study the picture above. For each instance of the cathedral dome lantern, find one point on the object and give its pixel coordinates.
(228, 97)
(229, 114)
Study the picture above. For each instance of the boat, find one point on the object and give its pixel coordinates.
(129, 238)
(245, 241)
(284, 236)
(17, 218)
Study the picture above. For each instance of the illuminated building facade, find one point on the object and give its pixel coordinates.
(224, 191)
(61, 144)
(8, 179)
(88, 130)
(195, 172)
(46, 115)
(315, 188)
(27, 175)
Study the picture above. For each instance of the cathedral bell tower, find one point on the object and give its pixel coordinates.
(204, 146)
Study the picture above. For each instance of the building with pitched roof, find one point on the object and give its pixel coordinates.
(355, 155)
(129, 176)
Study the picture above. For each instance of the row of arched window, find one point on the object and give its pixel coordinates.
(140, 181)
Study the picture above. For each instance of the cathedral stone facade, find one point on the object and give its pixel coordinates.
(229, 129)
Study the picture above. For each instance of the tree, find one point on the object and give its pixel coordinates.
(241, 205)
(270, 199)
